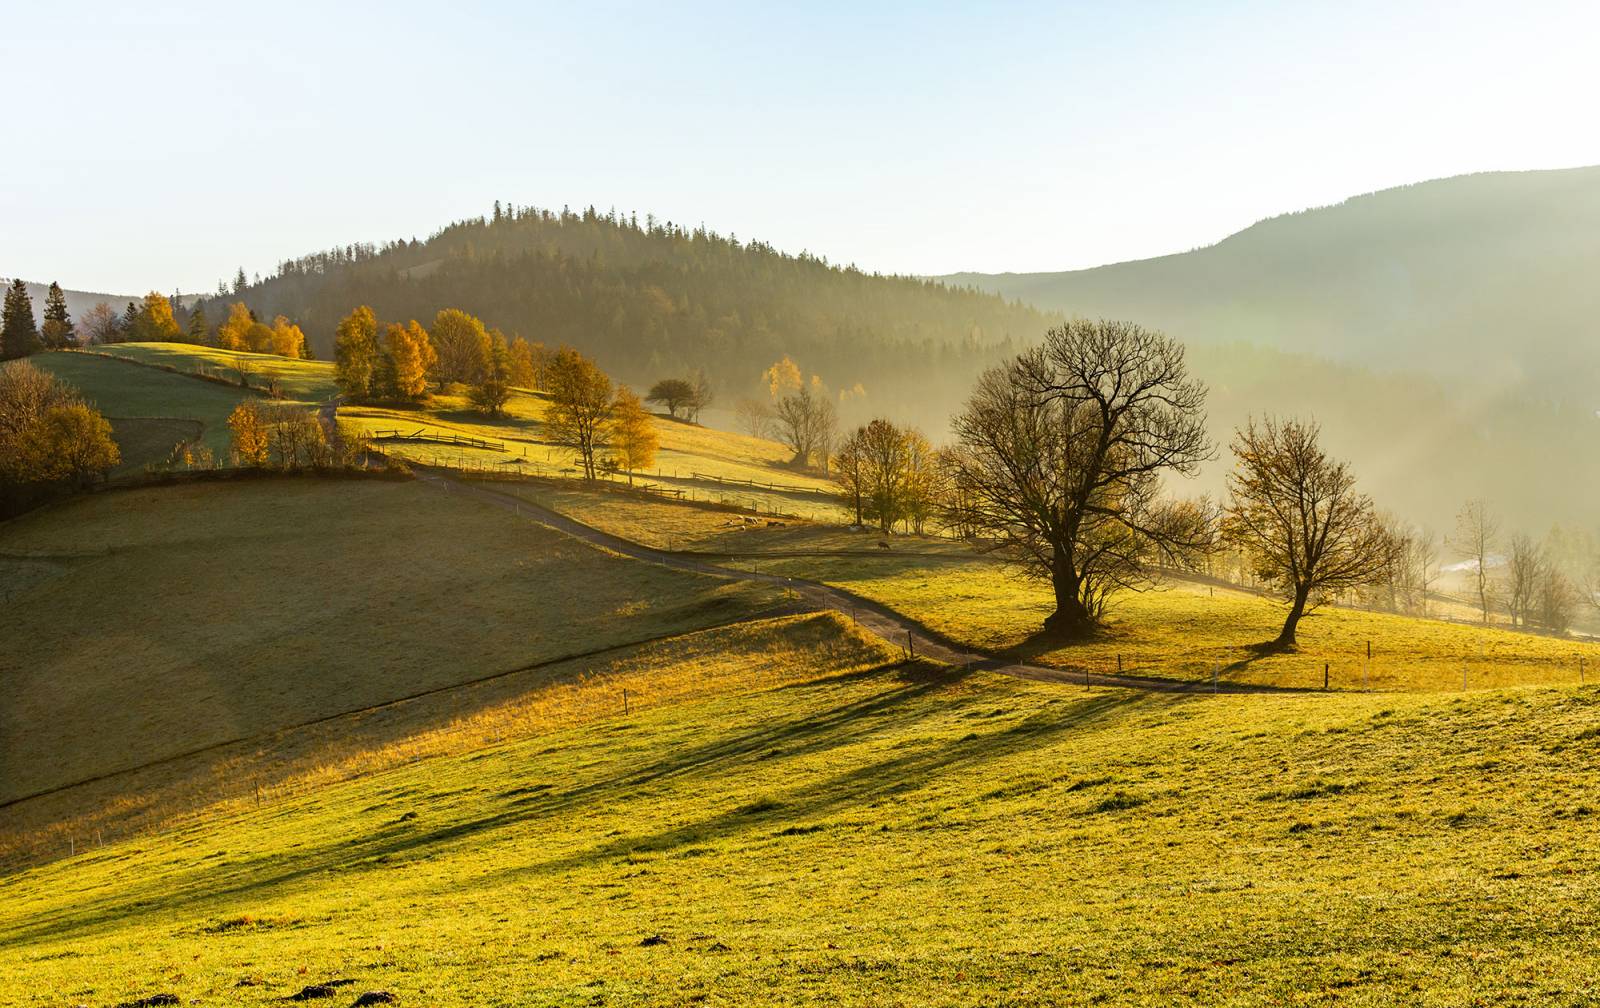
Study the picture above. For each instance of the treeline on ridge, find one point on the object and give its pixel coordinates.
(647, 297)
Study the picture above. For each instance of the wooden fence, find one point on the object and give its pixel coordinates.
(459, 440)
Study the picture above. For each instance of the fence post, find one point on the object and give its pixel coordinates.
(1324, 677)
(911, 645)
(1119, 664)
(624, 700)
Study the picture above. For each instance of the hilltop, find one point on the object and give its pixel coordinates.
(649, 298)
(1484, 280)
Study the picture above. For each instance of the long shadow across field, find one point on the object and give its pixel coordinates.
(213, 888)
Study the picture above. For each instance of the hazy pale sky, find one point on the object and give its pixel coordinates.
(164, 144)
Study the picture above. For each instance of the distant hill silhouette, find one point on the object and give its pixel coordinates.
(1444, 333)
(79, 302)
(1486, 278)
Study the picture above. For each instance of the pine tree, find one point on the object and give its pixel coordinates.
(19, 333)
(239, 281)
(199, 331)
(129, 328)
(58, 332)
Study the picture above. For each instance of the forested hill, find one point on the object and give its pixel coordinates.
(1490, 276)
(650, 298)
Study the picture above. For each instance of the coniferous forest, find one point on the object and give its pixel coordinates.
(648, 298)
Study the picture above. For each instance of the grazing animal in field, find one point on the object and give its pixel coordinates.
(883, 544)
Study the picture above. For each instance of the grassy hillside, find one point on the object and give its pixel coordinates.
(1187, 630)
(300, 380)
(151, 411)
(154, 623)
(885, 838)
(701, 463)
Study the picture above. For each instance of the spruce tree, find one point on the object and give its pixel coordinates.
(58, 331)
(19, 332)
(199, 330)
(130, 330)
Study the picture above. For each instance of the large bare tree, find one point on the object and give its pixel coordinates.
(1297, 515)
(1061, 455)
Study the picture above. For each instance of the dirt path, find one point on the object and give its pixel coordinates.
(894, 627)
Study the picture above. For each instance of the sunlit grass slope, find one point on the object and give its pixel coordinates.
(1185, 630)
(301, 380)
(151, 411)
(886, 839)
(704, 463)
(1190, 631)
(158, 621)
(754, 654)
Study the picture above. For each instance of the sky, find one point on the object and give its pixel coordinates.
(163, 145)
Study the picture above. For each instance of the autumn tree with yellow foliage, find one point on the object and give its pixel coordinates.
(250, 441)
(632, 433)
(411, 358)
(234, 333)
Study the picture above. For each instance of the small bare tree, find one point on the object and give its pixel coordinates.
(1427, 553)
(754, 417)
(1557, 600)
(1525, 570)
(805, 422)
(1476, 531)
(1296, 514)
(1061, 455)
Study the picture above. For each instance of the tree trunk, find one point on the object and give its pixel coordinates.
(1286, 641)
(1071, 618)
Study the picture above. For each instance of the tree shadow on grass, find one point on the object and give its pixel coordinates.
(864, 785)
(795, 735)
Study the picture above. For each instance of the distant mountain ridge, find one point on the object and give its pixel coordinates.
(1487, 277)
(79, 302)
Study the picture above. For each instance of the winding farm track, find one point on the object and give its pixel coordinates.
(894, 627)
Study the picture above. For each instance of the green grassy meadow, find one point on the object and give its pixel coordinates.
(262, 734)
(903, 836)
(151, 411)
(700, 462)
(300, 380)
(204, 613)
(1182, 630)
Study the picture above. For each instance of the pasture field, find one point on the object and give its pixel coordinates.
(1184, 630)
(153, 622)
(703, 463)
(1187, 630)
(678, 526)
(150, 411)
(904, 836)
(300, 380)
(232, 777)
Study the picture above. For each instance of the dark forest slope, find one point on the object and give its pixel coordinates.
(649, 299)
